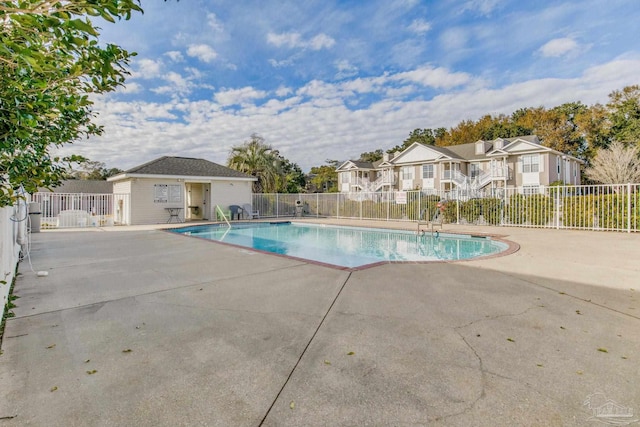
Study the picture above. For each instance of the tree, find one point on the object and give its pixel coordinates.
(92, 170)
(325, 178)
(291, 179)
(618, 164)
(50, 61)
(624, 114)
(423, 136)
(256, 158)
(371, 156)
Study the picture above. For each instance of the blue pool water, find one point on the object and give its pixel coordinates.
(347, 246)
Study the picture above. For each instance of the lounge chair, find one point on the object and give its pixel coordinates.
(249, 212)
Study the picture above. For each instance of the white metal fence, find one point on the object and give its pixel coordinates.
(13, 234)
(63, 210)
(587, 207)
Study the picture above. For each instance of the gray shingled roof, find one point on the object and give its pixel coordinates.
(467, 151)
(362, 165)
(185, 166)
(82, 186)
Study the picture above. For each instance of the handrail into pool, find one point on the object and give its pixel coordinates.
(223, 215)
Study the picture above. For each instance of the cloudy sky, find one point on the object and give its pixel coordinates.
(330, 79)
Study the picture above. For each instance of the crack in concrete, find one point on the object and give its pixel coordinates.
(483, 371)
(304, 351)
(498, 316)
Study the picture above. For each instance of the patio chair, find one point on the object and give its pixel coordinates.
(222, 213)
(235, 211)
(249, 212)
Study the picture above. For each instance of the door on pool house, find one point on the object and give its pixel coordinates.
(198, 197)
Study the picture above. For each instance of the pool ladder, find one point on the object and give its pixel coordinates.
(436, 220)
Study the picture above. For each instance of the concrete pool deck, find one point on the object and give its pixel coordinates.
(135, 326)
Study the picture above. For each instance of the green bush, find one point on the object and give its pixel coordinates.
(450, 212)
(515, 209)
(613, 211)
(471, 210)
(538, 209)
(578, 211)
(491, 211)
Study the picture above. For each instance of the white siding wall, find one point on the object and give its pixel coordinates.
(122, 208)
(9, 247)
(143, 208)
(225, 193)
(417, 154)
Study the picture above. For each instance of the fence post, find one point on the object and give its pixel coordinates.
(628, 207)
(277, 206)
(317, 205)
(564, 189)
(388, 204)
(337, 205)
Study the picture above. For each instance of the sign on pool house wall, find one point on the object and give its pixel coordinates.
(167, 193)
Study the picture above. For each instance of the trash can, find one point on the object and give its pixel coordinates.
(35, 217)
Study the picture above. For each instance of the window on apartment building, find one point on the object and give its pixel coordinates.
(474, 170)
(530, 163)
(407, 172)
(427, 171)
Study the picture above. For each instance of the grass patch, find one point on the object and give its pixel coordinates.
(9, 305)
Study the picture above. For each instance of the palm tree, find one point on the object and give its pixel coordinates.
(256, 158)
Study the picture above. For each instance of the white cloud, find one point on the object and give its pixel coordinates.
(318, 117)
(485, 7)
(559, 47)
(203, 52)
(214, 23)
(238, 96)
(147, 69)
(175, 56)
(294, 40)
(345, 69)
(440, 78)
(132, 87)
(321, 41)
(420, 26)
(454, 39)
(282, 63)
(284, 39)
(283, 91)
(177, 85)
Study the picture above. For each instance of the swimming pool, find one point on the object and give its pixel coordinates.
(351, 247)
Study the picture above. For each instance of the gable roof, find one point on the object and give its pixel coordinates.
(356, 164)
(82, 186)
(417, 145)
(183, 166)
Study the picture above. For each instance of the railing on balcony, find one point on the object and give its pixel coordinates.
(500, 172)
(365, 185)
